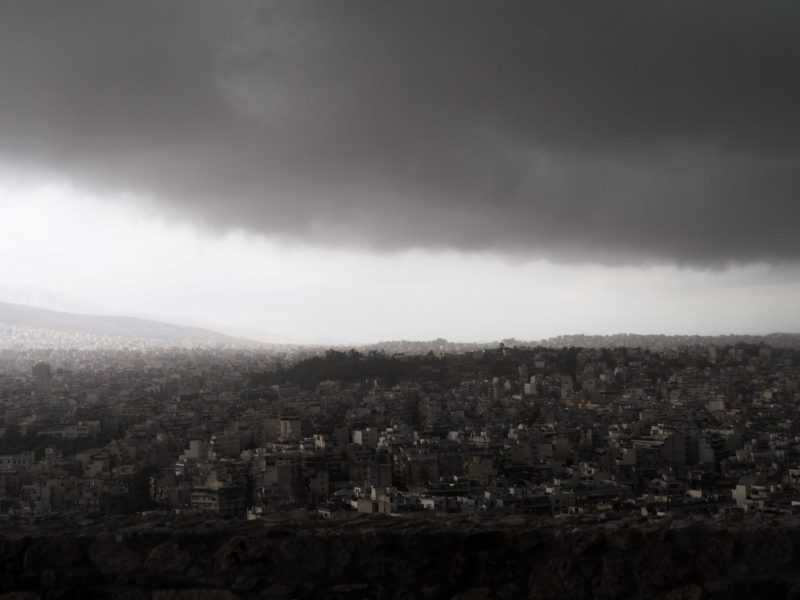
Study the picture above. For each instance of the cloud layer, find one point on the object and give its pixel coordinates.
(614, 132)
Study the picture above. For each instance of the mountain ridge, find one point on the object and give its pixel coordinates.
(111, 326)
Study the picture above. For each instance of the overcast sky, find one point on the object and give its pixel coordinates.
(374, 170)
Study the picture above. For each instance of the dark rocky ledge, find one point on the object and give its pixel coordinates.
(195, 558)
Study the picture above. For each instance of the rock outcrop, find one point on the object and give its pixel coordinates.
(195, 558)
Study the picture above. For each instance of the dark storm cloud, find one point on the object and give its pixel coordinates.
(578, 131)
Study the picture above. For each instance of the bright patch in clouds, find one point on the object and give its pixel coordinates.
(129, 260)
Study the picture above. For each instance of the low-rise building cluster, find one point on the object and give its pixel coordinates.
(694, 430)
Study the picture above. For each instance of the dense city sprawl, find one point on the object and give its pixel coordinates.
(695, 430)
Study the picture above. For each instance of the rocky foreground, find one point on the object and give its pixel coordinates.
(194, 558)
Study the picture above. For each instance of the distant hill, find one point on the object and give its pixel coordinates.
(106, 326)
(248, 333)
(664, 342)
(619, 340)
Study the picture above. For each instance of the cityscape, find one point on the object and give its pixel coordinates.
(576, 440)
(597, 433)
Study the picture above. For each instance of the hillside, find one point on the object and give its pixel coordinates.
(31, 318)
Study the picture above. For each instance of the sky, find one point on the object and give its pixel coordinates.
(363, 171)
